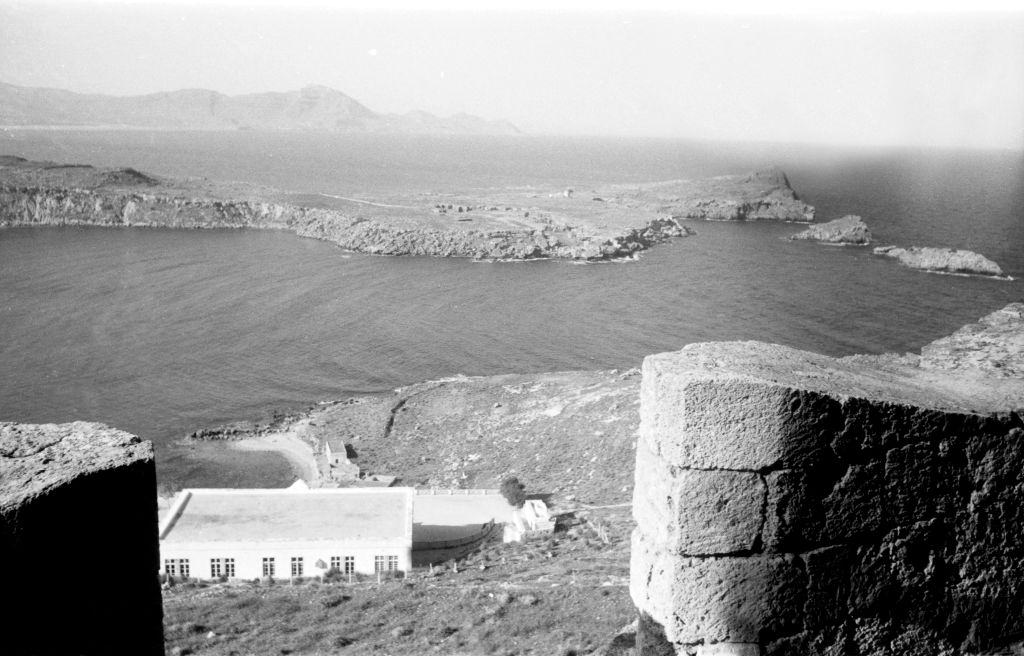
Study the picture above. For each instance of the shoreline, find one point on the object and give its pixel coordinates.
(606, 223)
(287, 444)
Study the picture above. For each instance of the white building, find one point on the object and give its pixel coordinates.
(530, 521)
(297, 532)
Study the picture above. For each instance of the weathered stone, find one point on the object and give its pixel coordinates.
(892, 520)
(695, 420)
(699, 512)
(828, 575)
(717, 599)
(729, 649)
(72, 496)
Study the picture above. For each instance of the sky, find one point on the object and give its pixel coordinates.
(948, 78)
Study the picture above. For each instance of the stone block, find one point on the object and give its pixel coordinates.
(78, 525)
(729, 649)
(731, 423)
(698, 512)
(719, 599)
(809, 509)
(828, 586)
(893, 520)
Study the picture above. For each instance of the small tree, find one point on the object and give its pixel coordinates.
(512, 490)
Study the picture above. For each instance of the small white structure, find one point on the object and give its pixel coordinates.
(339, 467)
(284, 533)
(532, 520)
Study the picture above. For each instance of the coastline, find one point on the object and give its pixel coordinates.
(608, 223)
(289, 445)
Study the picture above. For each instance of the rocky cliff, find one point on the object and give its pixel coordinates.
(792, 503)
(78, 532)
(500, 225)
(942, 260)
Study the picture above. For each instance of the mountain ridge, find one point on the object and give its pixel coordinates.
(313, 107)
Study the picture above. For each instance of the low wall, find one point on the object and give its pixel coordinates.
(792, 503)
(78, 540)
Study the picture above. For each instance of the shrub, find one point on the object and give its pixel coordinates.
(513, 492)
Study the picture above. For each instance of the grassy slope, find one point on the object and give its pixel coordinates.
(568, 435)
(565, 595)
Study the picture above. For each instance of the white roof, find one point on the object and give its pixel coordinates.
(234, 515)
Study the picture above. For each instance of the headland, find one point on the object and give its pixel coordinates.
(606, 223)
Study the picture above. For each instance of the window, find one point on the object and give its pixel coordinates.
(176, 567)
(350, 565)
(268, 567)
(296, 566)
(392, 563)
(336, 562)
(378, 563)
(222, 567)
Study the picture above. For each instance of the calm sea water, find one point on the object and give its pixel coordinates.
(161, 332)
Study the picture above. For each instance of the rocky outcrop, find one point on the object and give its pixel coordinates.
(501, 225)
(850, 229)
(78, 530)
(793, 503)
(942, 260)
(763, 195)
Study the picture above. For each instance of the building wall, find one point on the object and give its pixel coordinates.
(249, 556)
(790, 503)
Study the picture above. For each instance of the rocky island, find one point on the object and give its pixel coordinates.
(849, 230)
(503, 224)
(943, 260)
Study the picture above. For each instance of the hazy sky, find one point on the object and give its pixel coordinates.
(947, 79)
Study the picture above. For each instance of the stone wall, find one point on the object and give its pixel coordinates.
(78, 540)
(792, 503)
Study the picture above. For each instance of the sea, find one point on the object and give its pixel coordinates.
(161, 332)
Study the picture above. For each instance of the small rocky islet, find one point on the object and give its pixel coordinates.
(943, 260)
(849, 230)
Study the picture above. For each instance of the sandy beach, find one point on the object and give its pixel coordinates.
(289, 445)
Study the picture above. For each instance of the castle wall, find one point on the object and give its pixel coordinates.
(791, 503)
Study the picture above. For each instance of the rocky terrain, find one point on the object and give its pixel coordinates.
(598, 224)
(313, 107)
(569, 435)
(942, 260)
(850, 229)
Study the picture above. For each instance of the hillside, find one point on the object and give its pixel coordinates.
(314, 108)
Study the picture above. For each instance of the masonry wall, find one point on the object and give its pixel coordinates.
(790, 503)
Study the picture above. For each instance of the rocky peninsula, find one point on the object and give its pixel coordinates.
(502, 224)
(943, 260)
(849, 230)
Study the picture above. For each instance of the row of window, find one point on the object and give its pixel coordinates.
(226, 566)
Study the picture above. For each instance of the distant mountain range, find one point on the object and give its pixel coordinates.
(313, 108)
